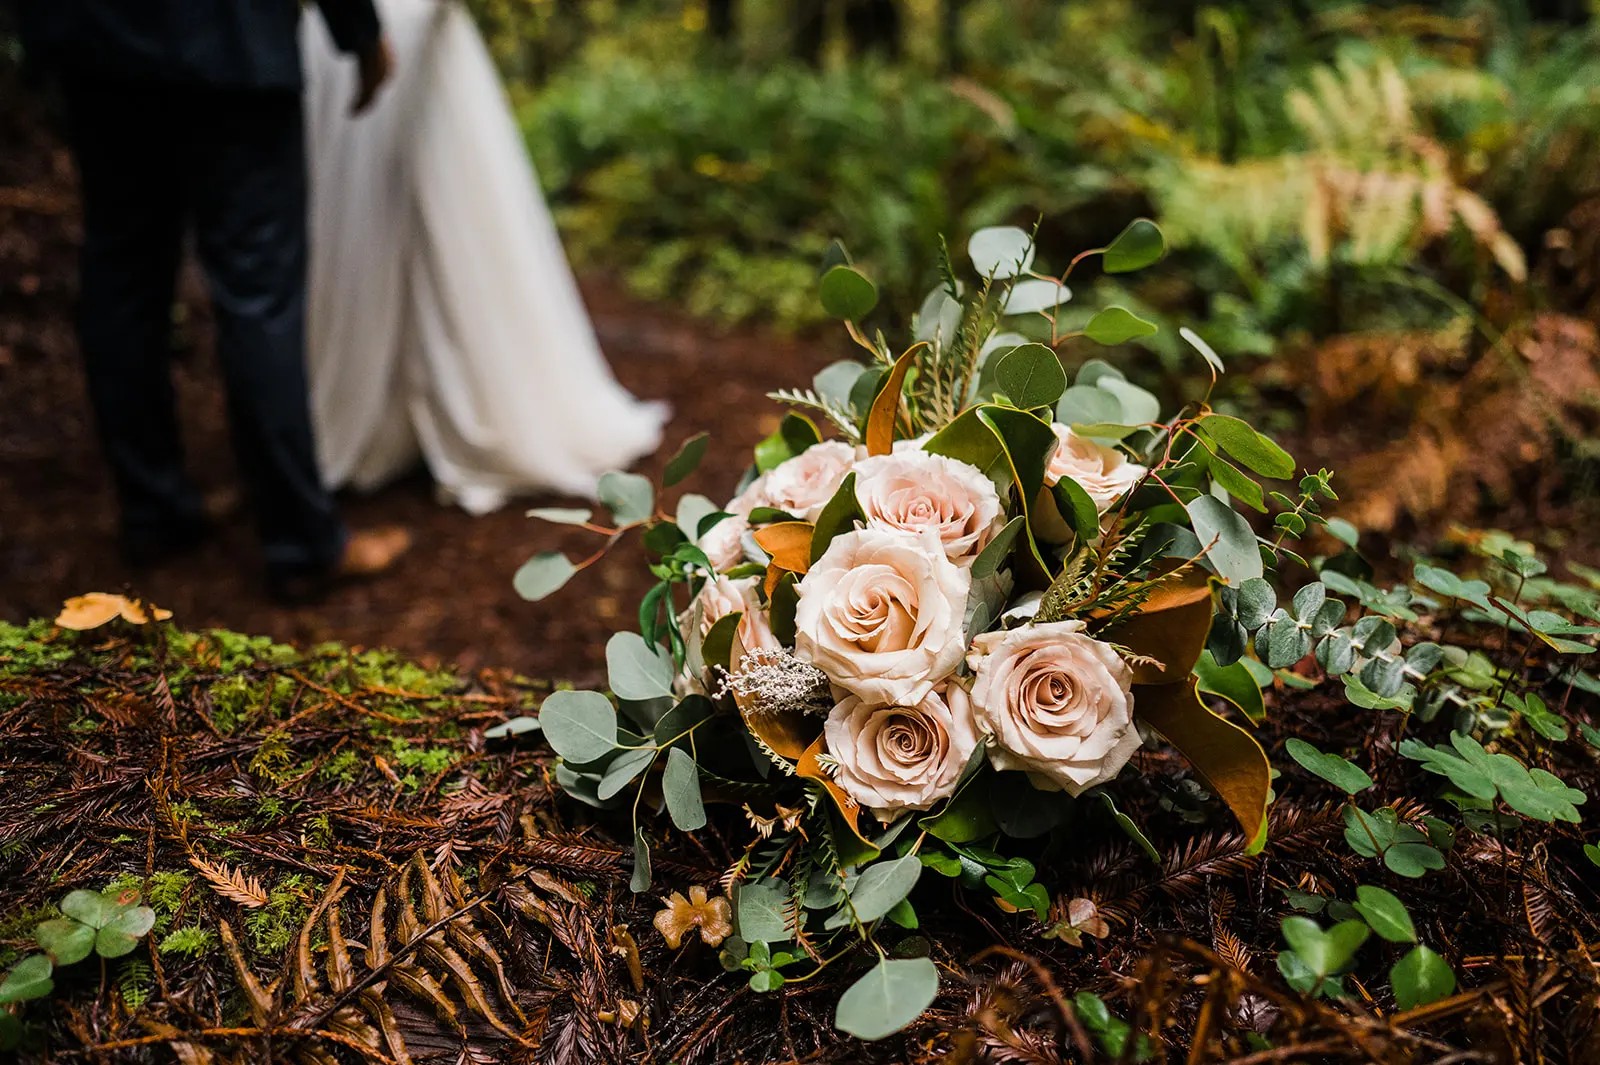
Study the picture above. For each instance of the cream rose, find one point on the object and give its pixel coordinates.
(914, 490)
(1056, 703)
(722, 596)
(897, 758)
(723, 543)
(881, 614)
(802, 485)
(1103, 472)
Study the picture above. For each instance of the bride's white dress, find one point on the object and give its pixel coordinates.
(443, 317)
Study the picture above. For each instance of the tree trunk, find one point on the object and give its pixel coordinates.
(722, 19)
(873, 26)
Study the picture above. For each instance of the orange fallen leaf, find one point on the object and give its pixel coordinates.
(83, 612)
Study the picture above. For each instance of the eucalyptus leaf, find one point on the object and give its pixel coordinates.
(514, 727)
(877, 891)
(846, 294)
(636, 669)
(888, 997)
(580, 726)
(1229, 542)
(1001, 251)
(542, 575)
(761, 908)
(1035, 295)
(629, 496)
(680, 788)
(1117, 325)
(642, 876)
(1139, 245)
(562, 515)
(686, 461)
(1206, 352)
(623, 769)
(1031, 376)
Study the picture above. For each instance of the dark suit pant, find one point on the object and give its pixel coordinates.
(156, 161)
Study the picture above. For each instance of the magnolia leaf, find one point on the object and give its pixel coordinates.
(685, 462)
(1001, 251)
(1385, 913)
(1227, 757)
(994, 553)
(680, 788)
(886, 406)
(1233, 682)
(1076, 508)
(839, 515)
(1117, 325)
(1228, 540)
(761, 909)
(1035, 295)
(1136, 247)
(788, 546)
(1421, 977)
(28, 979)
(810, 767)
(629, 496)
(580, 726)
(717, 647)
(1169, 627)
(890, 996)
(846, 294)
(636, 669)
(877, 891)
(542, 575)
(1031, 376)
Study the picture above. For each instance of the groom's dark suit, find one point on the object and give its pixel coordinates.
(188, 113)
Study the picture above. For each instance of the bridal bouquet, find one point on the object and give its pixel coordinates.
(955, 593)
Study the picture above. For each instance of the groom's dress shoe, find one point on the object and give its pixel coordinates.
(367, 554)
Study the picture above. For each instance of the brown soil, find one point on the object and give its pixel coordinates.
(452, 600)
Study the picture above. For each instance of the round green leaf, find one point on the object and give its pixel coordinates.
(1412, 859)
(1385, 913)
(680, 787)
(579, 726)
(28, 979)
(1117, 325)
(515, 727)
(1421, 977)
(635, 669)
(1136, 247)
(1341, 773)
(1088, 405)
(1001, 251)
(846, 294)
(890, 996)
(1324, 952)
(761, 909)
(1031, 375)
(542, 575)
(65, 939)
(629, 496)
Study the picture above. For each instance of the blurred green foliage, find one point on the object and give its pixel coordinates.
(1321, 166)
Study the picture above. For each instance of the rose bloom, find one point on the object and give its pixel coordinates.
(1105, 473)
(897, 758)
(881, 614)
(914, 490)
(1056, 702)
(802, 485)
(723, 543)
(722, 596)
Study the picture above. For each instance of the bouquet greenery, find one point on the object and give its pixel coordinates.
(955, 593)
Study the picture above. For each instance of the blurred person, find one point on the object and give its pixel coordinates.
(444, 318)
(190, 114)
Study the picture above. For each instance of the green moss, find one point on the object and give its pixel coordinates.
(343, 768)
(274, 926)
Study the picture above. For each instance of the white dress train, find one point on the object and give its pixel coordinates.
(443, 317)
